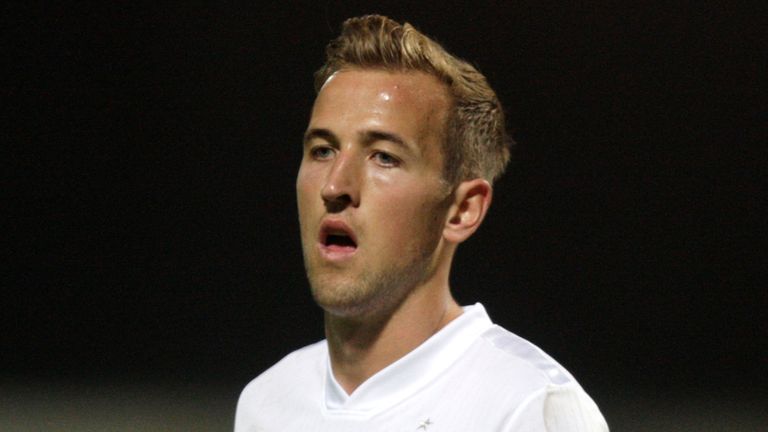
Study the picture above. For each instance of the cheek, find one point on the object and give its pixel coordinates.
(306, 194)
(301, 177)
(410, 214)
(306, 185)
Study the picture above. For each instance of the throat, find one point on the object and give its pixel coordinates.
(361, 348)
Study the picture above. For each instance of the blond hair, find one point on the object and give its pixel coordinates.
(476, 141)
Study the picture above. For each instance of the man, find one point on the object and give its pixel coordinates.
(402, 147)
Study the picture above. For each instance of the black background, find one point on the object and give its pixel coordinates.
(150, 151)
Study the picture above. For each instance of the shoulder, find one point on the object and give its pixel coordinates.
(558, 408)
(298, 370)
(545, 395)
(518, 356)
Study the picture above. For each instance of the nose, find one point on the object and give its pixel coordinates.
(341, 188)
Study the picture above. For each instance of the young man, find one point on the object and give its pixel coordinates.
(400, 153)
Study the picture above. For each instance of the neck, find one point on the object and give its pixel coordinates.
(360, 347)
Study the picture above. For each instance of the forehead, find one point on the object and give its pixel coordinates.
(397, 99)
(409, 86)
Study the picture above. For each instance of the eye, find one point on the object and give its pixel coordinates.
(321, 153)
(385, 159)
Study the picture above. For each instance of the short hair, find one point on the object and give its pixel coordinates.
(476, 143)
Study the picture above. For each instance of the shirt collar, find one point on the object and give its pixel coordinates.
(411, 372)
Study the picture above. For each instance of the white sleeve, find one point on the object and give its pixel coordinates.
(558, 408)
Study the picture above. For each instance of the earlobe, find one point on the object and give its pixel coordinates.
(472, 199)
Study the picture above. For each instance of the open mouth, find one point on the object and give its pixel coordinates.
(340, 240)
(336, 236)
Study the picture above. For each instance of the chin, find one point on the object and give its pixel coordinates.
(365, 306)
(355, 295)
(343, 299)
(341, 306)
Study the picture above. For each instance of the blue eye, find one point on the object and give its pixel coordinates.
(321, 153)
(386, 159)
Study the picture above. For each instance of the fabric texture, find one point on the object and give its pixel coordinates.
(472, 375)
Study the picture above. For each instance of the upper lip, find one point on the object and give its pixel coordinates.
(335, 227)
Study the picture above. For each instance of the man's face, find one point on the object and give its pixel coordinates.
(371, 196)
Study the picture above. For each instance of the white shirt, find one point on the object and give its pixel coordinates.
(472, 375)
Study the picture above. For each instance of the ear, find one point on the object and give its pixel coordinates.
(471, 201)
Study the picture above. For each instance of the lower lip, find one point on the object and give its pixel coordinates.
(336, 252)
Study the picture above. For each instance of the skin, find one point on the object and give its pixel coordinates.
(372, 168)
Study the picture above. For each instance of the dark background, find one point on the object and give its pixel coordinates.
(150, 231)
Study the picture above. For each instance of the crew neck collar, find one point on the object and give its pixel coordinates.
(411, 372)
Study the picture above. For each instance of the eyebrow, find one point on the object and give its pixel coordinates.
(322, 134)
(369, 137)
(366, 137)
